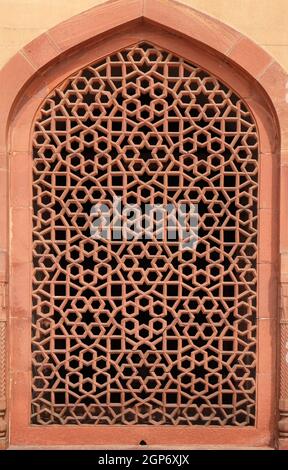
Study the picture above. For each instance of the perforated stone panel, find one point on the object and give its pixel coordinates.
(139, 331)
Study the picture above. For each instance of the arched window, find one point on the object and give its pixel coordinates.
(144, 332)
(146, 328)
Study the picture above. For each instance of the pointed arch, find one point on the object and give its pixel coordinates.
(35, 71)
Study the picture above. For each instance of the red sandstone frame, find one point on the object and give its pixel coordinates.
(24, 82)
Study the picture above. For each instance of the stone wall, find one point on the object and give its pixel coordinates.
(264, 21)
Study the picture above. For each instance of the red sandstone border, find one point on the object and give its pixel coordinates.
(35, 70)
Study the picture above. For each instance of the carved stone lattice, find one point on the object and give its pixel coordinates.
(283, 402)
(3, 362)
(140, 331)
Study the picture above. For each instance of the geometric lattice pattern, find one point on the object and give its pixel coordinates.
(138, 331)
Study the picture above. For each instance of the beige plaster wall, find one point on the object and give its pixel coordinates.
(264, 21)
